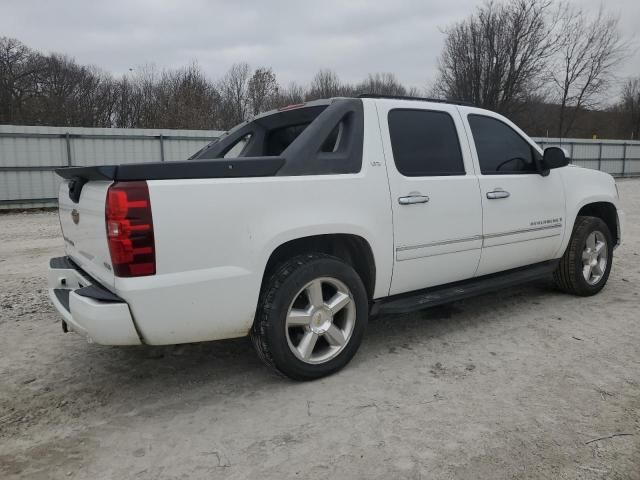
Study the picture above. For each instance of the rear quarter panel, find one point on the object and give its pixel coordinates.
(214, 238)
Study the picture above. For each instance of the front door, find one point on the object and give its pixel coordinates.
(437, 216)
(523, 211)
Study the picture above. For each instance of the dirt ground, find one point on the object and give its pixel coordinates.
(516, 384)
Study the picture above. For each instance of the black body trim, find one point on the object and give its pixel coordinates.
(75, 188)
(61, 262)
(98, 292)
(223, 168)
(430, 297)
(62, 294)
(304, 156)
(259, 128)
(95, 291)
(100, 172)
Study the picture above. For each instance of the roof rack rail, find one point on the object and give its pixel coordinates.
(424, 99)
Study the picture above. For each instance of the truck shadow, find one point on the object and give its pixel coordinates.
(182, 377)
(234, 362)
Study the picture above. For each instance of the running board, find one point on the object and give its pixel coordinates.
(430, 297)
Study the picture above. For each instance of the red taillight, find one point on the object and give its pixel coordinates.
(130, 229)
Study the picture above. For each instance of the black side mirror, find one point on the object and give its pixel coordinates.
(554, 157)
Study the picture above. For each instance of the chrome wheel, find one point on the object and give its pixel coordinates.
(594, 257)
(320, 320)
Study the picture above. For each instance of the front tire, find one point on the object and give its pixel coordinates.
(585, 266)
(311, 317)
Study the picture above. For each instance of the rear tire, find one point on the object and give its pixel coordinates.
(311, 317)
(585, 266)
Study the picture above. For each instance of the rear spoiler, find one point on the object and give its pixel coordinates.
(216, 168)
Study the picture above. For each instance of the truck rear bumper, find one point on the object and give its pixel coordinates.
(88, 308)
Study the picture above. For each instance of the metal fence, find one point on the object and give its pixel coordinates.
(29, 155)
(619, 158)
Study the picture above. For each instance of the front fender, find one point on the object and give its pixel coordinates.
(583, 187)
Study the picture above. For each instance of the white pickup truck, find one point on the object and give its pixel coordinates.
(298, 225)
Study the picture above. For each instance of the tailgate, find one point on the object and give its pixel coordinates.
(84, 230)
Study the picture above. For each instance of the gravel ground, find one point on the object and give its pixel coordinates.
(510, 385)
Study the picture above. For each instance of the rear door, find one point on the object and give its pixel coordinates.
(437, 216)
(523, 210)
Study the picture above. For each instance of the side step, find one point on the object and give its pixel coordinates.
(430, 297)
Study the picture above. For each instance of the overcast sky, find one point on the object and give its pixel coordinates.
(295, 38)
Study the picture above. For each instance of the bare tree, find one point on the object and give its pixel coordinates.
(589, 49)
(382, 84)
(262, 90)
(72, 94)
(325, 84)
(184, 98)
(129, 101)
(505, 56)
(630, 108)
(19, 66)
(233, 89)
(291, 95)
(496, 57)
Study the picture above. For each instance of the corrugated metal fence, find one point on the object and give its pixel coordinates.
(28, 155)
(620, 158)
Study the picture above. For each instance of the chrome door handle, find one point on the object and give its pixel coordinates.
(413, 199)
(498, 194)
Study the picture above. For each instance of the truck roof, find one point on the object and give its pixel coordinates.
(328, 101)
(424, 99)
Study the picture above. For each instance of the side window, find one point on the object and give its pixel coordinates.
(500, 148)
(425, 143)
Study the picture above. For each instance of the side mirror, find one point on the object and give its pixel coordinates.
(553, 157)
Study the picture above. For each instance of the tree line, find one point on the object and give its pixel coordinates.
(53, 89)
(546, 64)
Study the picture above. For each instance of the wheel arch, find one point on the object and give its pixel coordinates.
(352, 249)
(607, 212)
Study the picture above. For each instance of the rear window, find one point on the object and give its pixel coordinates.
(279, 139)
(425, 143)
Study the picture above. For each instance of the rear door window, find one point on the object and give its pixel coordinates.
(425, 143)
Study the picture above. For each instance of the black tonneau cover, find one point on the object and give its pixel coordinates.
(232, 168)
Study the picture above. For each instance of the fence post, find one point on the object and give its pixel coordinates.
(571, 152)
(600, 157)
(68, 141)
(161, 148)
(624, 158)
